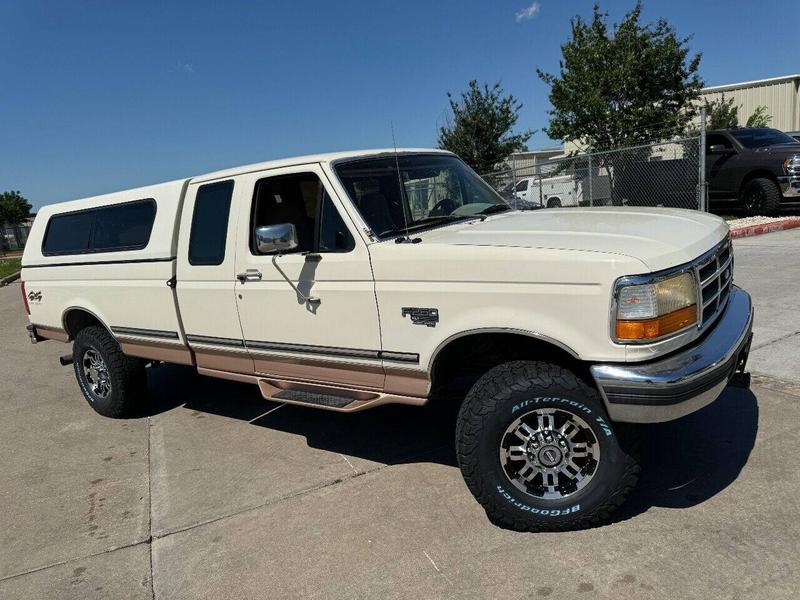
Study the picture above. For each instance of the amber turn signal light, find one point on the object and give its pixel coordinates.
(648, 329)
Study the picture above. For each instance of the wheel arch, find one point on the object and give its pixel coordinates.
(756, 174)
(471, 353)
(76, 318)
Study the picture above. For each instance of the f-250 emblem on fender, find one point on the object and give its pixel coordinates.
(422, 316)
(35, 297)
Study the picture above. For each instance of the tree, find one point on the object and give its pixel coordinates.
(480, 131)
(759, 118)
(721, 114)
(14, 208)
(724, 114)
(631, 84)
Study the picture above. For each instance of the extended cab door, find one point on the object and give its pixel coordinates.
(206, 276)
(308, 314)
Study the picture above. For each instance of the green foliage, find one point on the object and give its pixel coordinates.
(9, 266)
(629, 84)
(721, 114)
(14, 208)
(759, 118)
(481, 128)
(724, 114)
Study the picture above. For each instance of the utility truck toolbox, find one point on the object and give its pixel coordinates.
(350, 280)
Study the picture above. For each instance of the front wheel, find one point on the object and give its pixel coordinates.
(761, 196)
(538, 451)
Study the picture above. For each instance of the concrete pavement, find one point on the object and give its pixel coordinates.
(220, 494)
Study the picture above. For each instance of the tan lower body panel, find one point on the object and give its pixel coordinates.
(368, 385)
(52, 333)
(357, 375)
(217, 359)
(162, 351)
(361, 399)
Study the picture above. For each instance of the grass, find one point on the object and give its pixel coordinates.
(9, 266)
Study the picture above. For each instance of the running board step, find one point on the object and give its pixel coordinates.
(316, 398)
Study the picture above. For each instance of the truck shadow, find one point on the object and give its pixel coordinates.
(688, 461)
(684, 463)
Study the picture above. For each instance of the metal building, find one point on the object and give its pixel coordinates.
(781, 96)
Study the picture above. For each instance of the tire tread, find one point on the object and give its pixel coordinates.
(497, 385)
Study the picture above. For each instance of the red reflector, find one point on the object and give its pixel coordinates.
(25, 299)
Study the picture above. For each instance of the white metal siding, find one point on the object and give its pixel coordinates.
(781, 97)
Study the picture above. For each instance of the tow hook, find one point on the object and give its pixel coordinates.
(740, 379)
(65, 360)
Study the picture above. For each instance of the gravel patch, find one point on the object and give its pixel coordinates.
(748, 221)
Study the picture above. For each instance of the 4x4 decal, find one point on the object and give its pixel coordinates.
(34, 297)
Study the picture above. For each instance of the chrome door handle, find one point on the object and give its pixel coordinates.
(249, 275)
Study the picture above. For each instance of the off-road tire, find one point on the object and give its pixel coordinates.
(504, 394)
(766, 197)
(128, 381)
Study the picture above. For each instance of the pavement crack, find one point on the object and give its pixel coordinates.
(150, 507)
(72, 560)
(775, 341)
(290, 496)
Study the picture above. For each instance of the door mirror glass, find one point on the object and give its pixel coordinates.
(276, 238)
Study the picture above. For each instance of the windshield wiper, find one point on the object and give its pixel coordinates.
(495, 208)
(424, 222)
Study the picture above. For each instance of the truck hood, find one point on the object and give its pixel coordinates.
(787, 148)
(659, 237)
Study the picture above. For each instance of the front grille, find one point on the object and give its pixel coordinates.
(715, 274)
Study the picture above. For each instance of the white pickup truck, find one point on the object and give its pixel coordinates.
(350, 280)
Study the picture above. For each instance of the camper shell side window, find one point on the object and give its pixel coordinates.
(113, 228)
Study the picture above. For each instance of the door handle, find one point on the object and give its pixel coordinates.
(249, 275)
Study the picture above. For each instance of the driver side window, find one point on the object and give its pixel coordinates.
(300, 199)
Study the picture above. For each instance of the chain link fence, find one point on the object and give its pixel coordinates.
(663, 174)
(13, 237)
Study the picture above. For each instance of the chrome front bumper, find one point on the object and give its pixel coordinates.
(790, 186)
(686, 381)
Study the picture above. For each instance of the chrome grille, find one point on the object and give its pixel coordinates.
(715, 275)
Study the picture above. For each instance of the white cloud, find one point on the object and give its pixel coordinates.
(184, 67)
(529, 13)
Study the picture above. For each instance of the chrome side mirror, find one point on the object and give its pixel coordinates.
(276, 238)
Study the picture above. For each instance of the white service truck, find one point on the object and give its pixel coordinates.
(316, 279)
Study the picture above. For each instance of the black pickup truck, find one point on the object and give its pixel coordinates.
(755, 169)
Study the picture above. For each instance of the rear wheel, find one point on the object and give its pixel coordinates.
(553, 203)
(114, 385)
(761, 196)
(538, 451)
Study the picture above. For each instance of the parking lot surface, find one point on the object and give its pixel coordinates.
(221, 494)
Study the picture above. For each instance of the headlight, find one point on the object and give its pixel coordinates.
(792, 165)
(652, 310)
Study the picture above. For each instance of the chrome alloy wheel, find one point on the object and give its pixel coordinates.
(96, 373)
(549, 453)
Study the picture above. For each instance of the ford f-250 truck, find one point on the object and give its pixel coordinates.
(346, 281)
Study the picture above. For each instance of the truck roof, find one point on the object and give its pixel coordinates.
(310, 158)
(177, 184)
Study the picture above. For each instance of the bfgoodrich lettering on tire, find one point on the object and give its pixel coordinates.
(538, 452)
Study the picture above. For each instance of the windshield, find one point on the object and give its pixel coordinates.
(761, 136)
(436, 189)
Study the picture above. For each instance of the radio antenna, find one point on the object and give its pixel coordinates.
(403, 199)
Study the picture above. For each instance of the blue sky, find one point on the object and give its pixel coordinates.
(100, 96)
